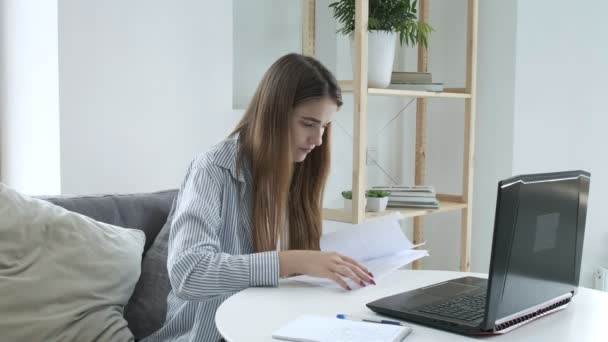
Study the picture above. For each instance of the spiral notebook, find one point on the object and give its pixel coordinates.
(310, 328)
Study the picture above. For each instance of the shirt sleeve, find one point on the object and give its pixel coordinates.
(197, 267)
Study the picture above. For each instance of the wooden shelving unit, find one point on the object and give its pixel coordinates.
(460, 93)
(361, 91)
(345, 216)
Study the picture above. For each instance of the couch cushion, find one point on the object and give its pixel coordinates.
(63, 276)
(147, 308)
(147, 212)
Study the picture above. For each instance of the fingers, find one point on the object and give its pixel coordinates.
(352, 261)
(339, 268)
(346, 272)
(339, 280)
(360, 273)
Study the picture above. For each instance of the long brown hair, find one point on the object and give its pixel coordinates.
(284, 191)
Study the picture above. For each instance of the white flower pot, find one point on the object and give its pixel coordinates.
(376, 203)
(381, 55)
(348, 204)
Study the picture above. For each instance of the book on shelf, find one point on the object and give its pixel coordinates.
(433, 87)
(412, 195)
(418, 190)
(406, 198)
(416, 205)
(411, 77)
(406, 187)
(413, 202)
(417, 196)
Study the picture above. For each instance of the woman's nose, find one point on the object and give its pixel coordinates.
(317, 139)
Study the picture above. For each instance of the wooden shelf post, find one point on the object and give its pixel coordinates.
(469, 137)
(359, 120)
(420, 173)
(308, 27)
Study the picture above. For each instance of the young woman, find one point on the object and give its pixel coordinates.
(249, 210)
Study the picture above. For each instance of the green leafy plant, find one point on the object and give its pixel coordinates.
(385, 15)
(377, 193)
(368, 193)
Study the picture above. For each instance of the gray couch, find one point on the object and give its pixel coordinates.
(149, 212)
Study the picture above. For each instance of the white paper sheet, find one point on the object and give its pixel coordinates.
(309, 328)
(378, 244)
(380, 267)
(375, 238)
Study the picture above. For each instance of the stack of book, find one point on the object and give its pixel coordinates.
(414, 196)
(414, 81)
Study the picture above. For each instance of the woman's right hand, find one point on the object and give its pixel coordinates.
(328, 265)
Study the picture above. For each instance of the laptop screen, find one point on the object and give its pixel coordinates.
(538, 240)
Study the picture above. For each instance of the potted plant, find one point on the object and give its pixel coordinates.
(377, 200)
(387, 19)
(348, 200)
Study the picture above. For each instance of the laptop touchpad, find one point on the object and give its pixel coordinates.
(448, 289)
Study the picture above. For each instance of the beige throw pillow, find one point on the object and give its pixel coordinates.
(63, 276)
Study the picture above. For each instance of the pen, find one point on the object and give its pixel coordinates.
(372, 320)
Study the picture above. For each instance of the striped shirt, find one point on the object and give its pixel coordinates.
(211, 253)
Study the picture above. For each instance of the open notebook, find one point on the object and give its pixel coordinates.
(309, 328)
(378, 244)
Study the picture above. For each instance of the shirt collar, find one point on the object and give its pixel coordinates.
(241, 173)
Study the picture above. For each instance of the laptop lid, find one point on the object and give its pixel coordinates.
(538, 241)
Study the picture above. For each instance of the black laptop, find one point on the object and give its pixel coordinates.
(534, 268)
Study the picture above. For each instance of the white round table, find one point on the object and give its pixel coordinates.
(254, 314)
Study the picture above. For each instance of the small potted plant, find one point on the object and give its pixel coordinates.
(348, 200)
(377, 200)
(387, 19)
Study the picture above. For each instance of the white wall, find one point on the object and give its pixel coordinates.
(494, 131)
(445, 130)
(263, 31)
(29, 96)
(144, 87)
(540, 108)
(560, 107)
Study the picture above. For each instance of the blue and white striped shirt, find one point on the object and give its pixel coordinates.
(211, 253)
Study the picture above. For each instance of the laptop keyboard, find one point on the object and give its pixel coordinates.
(466, 308)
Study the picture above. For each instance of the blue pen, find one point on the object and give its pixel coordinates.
(371, 320)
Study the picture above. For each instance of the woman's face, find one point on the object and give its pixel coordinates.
(307, 127)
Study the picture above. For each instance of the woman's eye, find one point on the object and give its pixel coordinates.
(307, 124)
